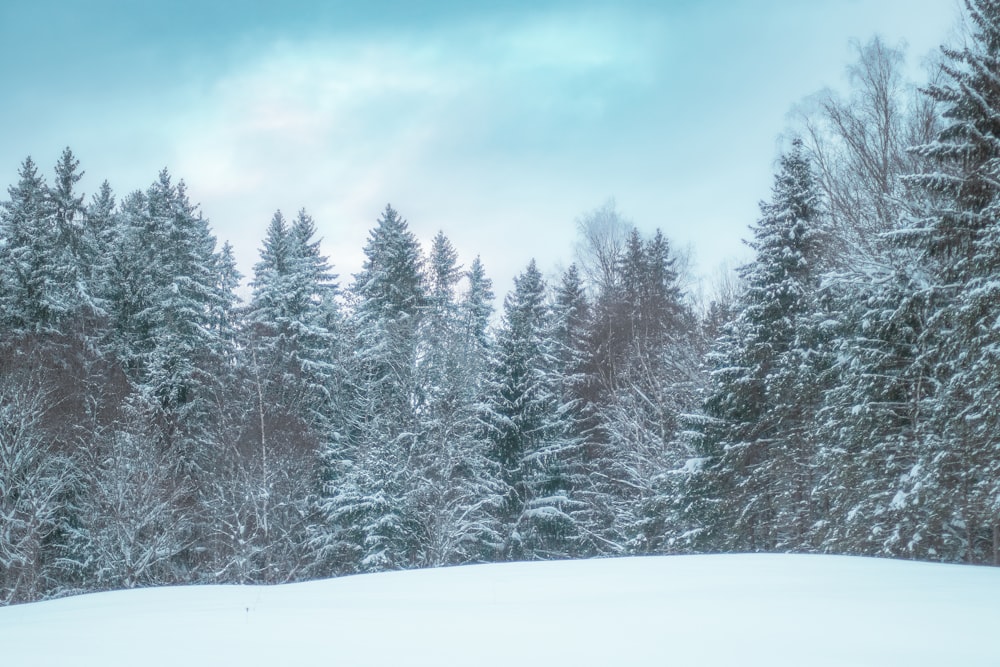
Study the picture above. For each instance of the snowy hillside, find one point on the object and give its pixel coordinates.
(704, 610)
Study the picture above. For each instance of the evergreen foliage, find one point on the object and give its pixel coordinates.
(755, 464)
(957, 232)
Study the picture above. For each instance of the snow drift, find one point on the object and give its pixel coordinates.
(682, 610)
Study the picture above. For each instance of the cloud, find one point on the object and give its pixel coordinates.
(498, 128)
(442, 121)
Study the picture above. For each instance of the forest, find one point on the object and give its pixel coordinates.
(839, 393)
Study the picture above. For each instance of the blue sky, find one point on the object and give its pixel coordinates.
(497, 123)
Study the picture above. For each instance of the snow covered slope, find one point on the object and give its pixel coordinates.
(687, 610)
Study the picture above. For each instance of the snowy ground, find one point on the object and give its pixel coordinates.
(686, 610)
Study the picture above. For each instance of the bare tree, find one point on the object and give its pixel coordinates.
(859, 147)
(603, 234)
(34, 477)
(135, 523)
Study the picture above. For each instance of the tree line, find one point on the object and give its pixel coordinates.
(154, 429)
(838, 396)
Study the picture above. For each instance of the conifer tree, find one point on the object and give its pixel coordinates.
(267, 482)
(43, 255)
(874, 307)
(452, 485)
(747, 442)
(873, 419)
(476, 307)
(28, 300)
(289, 340)
(954, 481)
(529, 437)
(368, 471)
(164, 294)
(655, 380)
(439, 360)
(100, 228)
(570, 327)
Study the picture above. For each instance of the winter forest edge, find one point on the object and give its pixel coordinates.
(838, 395)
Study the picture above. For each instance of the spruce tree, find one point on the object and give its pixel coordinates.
(267, 483)
(530, 438)
(28, 300)
(751, 461)
(954, 481)
(452, 485)
(289, 340)
(476, 307)
(368, 466)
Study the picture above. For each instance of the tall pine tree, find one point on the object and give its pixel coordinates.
(753, 463)
(954, 481)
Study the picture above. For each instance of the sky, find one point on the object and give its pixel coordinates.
(500, 124)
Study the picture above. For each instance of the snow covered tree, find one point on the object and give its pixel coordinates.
(753, 462)
(68, 214)
(224, 318)
(439, 361)
(655, 377)
(367, 466)
(570, 329)
(954, 481)
(45, 289)
(259, 504)
(859, 148)
(476, 309)
(135, 517)
(873, 417)
(452, 486)
(35, 479)
(266, 479)
(289, 340)
(29, 300)
(529, 438)
(164, 289)
(585, 463)
(100, 227)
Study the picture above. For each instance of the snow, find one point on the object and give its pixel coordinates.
(680, 610)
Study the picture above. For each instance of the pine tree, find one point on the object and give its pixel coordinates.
(368, 466)
(655, 379)
(878, 386)
(224, 318)
(266, 482)
(585, 459)
(290, 342)
(954, 481)
(452, 485)
(28, 302)
(175, 346)
(43, 253)
(873, 417)
(476, 308)
(100, 227)
(529, 437)
(753, 463)
(570, 327)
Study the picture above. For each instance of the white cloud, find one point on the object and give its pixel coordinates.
(500, 131)
(438, 124)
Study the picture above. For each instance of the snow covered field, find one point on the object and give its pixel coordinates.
(682, 610)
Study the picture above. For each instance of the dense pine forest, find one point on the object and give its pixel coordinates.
(839, 394)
